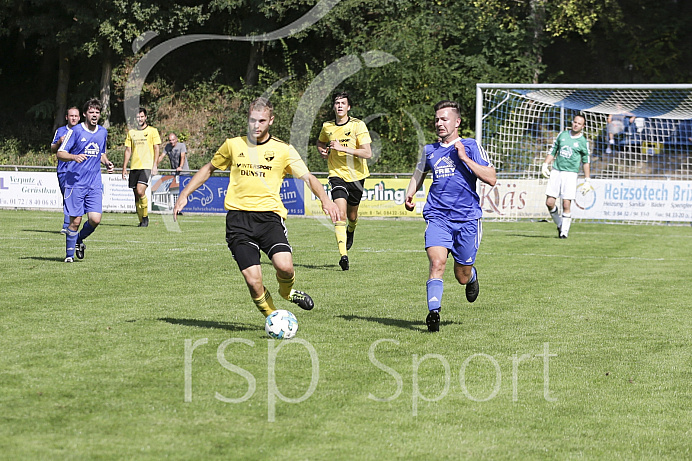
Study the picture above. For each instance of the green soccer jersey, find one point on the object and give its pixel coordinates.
(570, 151)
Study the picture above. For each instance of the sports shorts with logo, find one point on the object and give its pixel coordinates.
(461, 238)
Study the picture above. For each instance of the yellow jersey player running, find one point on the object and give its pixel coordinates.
(255, 219)
(142, 145)
(345, 143)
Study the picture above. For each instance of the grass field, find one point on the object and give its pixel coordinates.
(575, 349)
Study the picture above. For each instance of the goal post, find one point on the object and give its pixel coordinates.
(649, 138)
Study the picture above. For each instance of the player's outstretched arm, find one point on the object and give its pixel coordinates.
(197, 180)
(328, 206)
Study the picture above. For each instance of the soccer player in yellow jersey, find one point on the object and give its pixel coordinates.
(255, 219)
(345, 143)
(142, 145)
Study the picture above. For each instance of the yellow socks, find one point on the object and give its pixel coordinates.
(285, 286)
(340, 231)
(141, 206)
(264, 303)
(352, 225)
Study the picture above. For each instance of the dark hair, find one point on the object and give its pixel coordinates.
(261, 104)
(448, 104)
(67, 112)
(580, 115)
(342, 95)
(92, 103)
(142, 110)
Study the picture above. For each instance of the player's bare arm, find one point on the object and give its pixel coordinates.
(363, 151)
(67, 157)
(155, 166)
(110, 168)
(127, 155)
(323, 149)
(413, 187)
(486, 174)
(197, 180)
(328, 206)
(54, 147)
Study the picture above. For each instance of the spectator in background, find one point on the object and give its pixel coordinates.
(72, 118)
(177, 154)
(616, 125)
(142, 145)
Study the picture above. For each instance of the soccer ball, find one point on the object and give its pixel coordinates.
(281, 324)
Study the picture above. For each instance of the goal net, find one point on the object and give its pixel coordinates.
(648, 136)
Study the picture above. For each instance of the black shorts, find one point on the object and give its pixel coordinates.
(248, 232)
(139, 177)
(351, 191)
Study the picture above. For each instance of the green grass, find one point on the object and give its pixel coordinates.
(92, 354)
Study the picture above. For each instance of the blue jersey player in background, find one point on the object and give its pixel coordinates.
(72, 118)
(84, 148)
(452, 211)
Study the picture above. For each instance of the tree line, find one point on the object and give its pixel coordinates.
(59, 53)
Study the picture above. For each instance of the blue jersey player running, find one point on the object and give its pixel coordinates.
(84, 148)
(452, 211)
(72, 118)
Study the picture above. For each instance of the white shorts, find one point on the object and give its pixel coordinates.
(562, 184)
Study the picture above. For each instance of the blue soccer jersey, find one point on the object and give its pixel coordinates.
(80, 140)
(62, 166)
(453, 193)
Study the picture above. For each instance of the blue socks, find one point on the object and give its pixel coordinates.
(66, 222)
(71, 241)
(86, 231)
(473, 275)
(434, 289)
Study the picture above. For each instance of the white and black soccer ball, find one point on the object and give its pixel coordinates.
(281, 324)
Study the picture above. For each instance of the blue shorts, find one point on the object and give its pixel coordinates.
(81, 200)
(460, 238)
(61, 183)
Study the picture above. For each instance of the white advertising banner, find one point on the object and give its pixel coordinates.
(22, 189)
(636, 200)
(117, 195)
(611, 199)
(19, 189)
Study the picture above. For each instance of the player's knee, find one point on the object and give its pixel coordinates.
(462, 278)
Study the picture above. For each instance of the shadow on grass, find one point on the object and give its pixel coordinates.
(45, 258)
(533, 236)
(41, 231)
(268, 264)
(212, 324)
(418, 325)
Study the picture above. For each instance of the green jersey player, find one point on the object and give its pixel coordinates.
(570, 150)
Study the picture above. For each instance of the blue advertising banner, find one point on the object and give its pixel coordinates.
(292, 191)
(209, 197)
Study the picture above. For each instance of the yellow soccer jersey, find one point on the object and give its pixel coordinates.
(142, 144)
(352, 134)
(257, 172)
